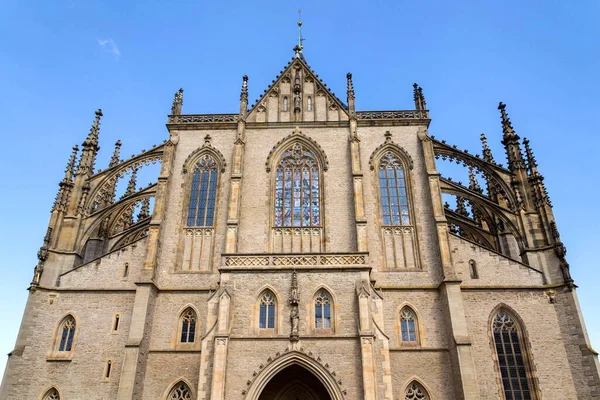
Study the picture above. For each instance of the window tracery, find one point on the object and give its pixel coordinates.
(392, 186)
(408, 325)
(415, 391)
(322, 310)
(297, 189)
(266, 318)
(188, 326)
(51, 394)
(67, 334)
(511, 357)
(181, 391)
(203, 192)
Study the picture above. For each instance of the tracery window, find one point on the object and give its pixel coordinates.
(188, 326)
(408, 325)
(297, 189)
(511, 357)
(67, 334)
(415, 391)
(392, 186)
(51, 394)
(201, 208)
(181, 391)
(266, 318)
(322, 310)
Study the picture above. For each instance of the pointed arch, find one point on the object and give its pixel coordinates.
(323, 309)
(187, 325)
(297, 136)
(282, 361)
(180, 390)
(409, 325)
(416, 390)
(267, 307)
(196, 156)
(65, 337)
(51, 393)
(395, 149)
(511, 349)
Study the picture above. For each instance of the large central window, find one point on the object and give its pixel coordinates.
(201, 209)
(392, 183)
(297, 189)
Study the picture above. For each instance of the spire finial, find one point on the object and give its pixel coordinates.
(473, 183)
(507, 128)
(92, 138)
(144, 209)
(114, 160)
(487, 152)
(419, 98)
(461, 208)
(350, 86)
(132, 183)
(177, 102)
(531, 162)
(244, 98)
(299, 46)
(70, 171)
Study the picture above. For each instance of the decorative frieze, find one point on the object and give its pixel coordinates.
(286, 260)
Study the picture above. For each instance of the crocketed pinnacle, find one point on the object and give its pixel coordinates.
(461, 208)
(244, 94)
(145, 209)
(473, 183)
(419, 98)
(91, 142)
(177, 103)
(132, 183)
(70, 170)
(114, 160)
(507, 129)
(487, 152)
(531, 162)
(350, 91)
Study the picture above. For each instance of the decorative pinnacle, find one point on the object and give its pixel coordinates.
(207, 139)
(70, 170)
(473, 183)
(419, 98)
(132, 183)
(507, 128)
(145, 209)
(92, 138)
(461, 207)
(487, 152)
(114, 160)
(244, 94)
(531, 162)
(177, 102)
(388, 136)
(350, 86)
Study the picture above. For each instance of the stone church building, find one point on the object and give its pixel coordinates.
(303, 249)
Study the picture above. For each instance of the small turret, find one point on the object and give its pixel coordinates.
(177, 103)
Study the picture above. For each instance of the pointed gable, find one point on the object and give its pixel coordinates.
(297, 95)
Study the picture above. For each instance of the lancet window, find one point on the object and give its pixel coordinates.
(512, 358)
(188, 326)
(408, 325)
(415, 391)
(309, 103)
(392, 186)
(297, 189)
(67, 334)
(266, 318)
(203, 193)
(322, 310)
(180, 391)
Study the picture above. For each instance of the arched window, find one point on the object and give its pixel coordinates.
(512, 357)
(392, 186)
(188, 326)
(408, 326)
(322, 310)
(51, 394)
(67, 334)
(180, 391)
(415, 391)
(285, 103)
(473, 269)
(309, 103)
(297, 188)
(266, 319)
(203, 192)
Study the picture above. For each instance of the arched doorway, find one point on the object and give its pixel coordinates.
(294, 383)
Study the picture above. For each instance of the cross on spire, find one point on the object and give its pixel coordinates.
(299, 46)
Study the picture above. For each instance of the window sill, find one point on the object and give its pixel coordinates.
(60, 357)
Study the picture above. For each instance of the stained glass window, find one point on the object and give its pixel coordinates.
(188, 326)
(67, 333)
(414, 391)
(408, 325)
(181, 391)
(266, 318)
(511, 359)
(297, 189)
(322, 310)
(392, 186)
(201, 209)
(52, 394)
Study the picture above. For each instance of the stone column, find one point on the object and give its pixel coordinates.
(217, 391)
(367, 338)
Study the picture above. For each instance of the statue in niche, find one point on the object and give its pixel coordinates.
(295, 318)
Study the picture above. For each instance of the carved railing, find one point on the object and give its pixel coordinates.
(203, 118)
(398, 114)
(313, 260)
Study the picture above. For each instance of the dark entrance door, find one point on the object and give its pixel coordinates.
(294, 383)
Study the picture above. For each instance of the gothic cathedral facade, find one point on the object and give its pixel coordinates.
(301, 249)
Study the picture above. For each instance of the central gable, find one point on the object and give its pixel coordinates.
(298, 95)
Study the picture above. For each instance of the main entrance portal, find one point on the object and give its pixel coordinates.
(294, 383)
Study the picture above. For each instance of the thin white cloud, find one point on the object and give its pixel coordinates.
(110, 46)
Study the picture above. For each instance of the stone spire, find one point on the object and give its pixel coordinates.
(177, 103)
(350, 95)
(487, 152)
(244, 97)
(299, 46)
(66, 185)
(145, 209)
(510, 140)
(90, 148)
(132, 184)
(532, 167)
(473, 183)
(536, 180)
(419, 98)
(461, 208)
(114, 160)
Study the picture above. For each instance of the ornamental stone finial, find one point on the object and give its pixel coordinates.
(507, 128)
(487, 152)
(388, 136)
(70, 170)
(132, 184)
(531, 162)
(419, 98)
(177, 103)
(473, 183)
(114, 160)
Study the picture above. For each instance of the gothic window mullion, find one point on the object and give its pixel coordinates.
(203, 193)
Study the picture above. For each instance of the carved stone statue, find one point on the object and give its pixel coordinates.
(295, 318)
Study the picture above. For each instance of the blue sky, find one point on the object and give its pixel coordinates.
(61, 60)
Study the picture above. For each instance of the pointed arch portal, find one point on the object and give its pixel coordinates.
(294, 383)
